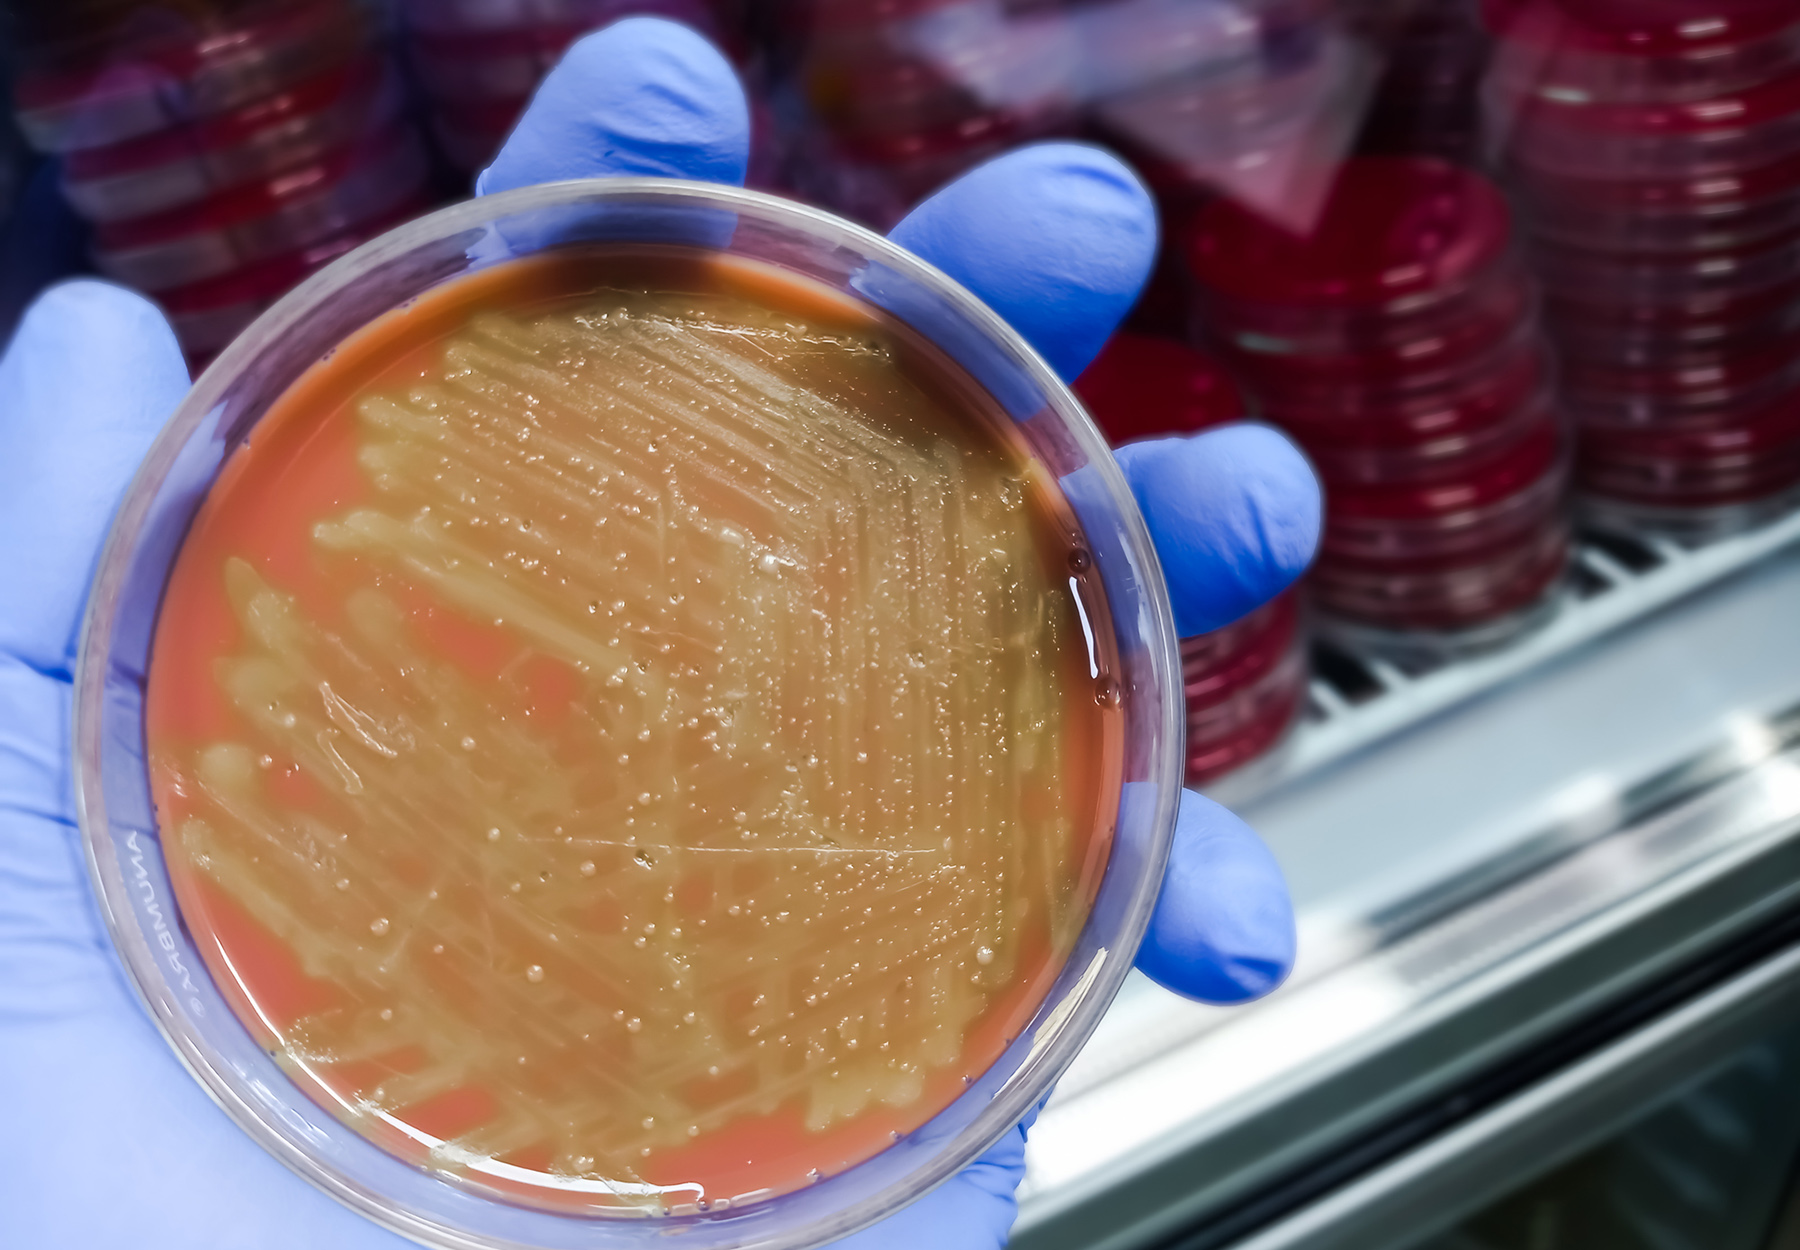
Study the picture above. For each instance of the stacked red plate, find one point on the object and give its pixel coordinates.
(478, 61)
(223, 156)
(903, 95)
(1656, 150)
(1398, 343)
(1245, 683)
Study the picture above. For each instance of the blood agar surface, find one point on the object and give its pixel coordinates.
(634, 731)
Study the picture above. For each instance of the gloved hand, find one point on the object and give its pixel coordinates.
(108, 1142)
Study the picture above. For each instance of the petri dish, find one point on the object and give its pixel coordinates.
(1751, 458)
(1420, 355)
(1678, 215)
(1249, 723)
(1620, 50)
(1652, 279)
(1467, 403)
(437, 1191)
(1490, 507)
(1396, 236)
(1245, 687)
(1698, 321)
(1301, 393)
(1397, 607)
(1241, 654)
(1375, 456)
(1722, 134)
(1708, 388)
(1686, 484)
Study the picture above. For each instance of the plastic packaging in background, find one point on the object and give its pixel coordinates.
(889, 99)
(1261, 110)
(1397, 341)
(1433, 56)
(1245, 684)
(223, 409)
(222, 151)
(1655, 150)
(477, 62)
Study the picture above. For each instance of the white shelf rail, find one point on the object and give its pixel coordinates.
(1615, 580)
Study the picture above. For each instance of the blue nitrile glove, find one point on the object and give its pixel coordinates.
(107, 1141)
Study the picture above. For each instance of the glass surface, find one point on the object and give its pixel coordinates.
(1703, 1169)
(222, 410)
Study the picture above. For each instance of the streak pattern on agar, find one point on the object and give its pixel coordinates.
(782, 839)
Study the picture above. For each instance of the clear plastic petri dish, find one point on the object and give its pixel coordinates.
(1751, 458)
(1474, 605)
(1677, 215)
(1443, 353)
(1372, 456)
(1228, 732)
(1225, 661)
(1668, 280)
(446, 1197)
(1641, 343)
(1685, 484)
(1701, 321)
(1707, 388)
(1245, 687)
(1620, 50)
(1302, 394)
(1398, 240)
(1719, 135)
(1455, 520)
(1470, 401)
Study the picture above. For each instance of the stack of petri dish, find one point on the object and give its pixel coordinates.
(1655, 150)
(900, 96)
(1246, 683)
(478, 61)
(223, 156)
(1399, 345)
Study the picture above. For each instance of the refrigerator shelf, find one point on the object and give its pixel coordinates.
(1357, 699)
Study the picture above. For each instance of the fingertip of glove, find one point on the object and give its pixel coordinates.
(1058, 238)
(82, 333)
(644, 96)
(1223, 928)
(1235, 513)
(99, 312)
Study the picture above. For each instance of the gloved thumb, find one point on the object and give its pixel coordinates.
(90, 377)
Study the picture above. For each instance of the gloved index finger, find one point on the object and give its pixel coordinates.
(1058, 238)
(644, 97)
